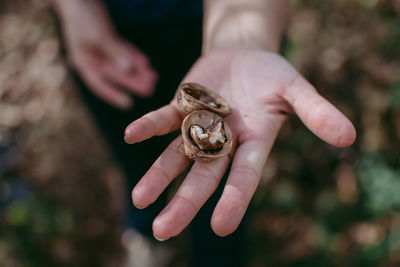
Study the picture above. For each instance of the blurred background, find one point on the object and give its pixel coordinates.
(60, 190)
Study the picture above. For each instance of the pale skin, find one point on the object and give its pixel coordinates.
(112, 68)
(240, 62)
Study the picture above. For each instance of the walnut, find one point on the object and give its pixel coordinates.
(193, 96)
(211, 139)
(205, 134)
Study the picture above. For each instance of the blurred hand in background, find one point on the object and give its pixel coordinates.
(112, 68)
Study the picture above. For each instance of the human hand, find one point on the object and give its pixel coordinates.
(111, 67)
(262, 88)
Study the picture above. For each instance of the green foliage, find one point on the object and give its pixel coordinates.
(284, 196)
(394, 95)
(380, 184)
(17, 214)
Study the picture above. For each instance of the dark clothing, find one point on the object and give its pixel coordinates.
(131, 11)
(172, 44)
(171, 59)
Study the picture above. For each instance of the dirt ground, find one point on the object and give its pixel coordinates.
(61, 197)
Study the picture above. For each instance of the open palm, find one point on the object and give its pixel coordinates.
(261, 88)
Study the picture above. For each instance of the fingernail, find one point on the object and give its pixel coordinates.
(127, 134)
(159, 239)
(138, 207)
(137, 195)
(127, 140)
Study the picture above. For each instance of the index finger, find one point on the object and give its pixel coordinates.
(159, 122)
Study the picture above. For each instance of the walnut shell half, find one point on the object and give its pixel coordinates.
(206, 135)
(193, 96)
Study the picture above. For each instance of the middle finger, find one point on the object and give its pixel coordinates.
(197, 187)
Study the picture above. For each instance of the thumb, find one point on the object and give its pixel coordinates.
(319, 115)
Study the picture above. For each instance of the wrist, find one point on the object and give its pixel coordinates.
(87, 18)
(241, 38)
(244, 24)
(80, 9)
(65, 8)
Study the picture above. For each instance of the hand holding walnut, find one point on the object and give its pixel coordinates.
(261, 88)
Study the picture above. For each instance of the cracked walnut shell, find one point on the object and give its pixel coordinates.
(193, 96)
(206, 135)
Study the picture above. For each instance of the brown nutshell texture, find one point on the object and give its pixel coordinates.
(193, 96)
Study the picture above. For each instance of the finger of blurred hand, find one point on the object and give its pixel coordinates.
(197, 187)
(128, 67)
(130, 59)
(125, 53)
(159, 122)
(105, 91)
(139, 81)
(320, 116)
(169, 165)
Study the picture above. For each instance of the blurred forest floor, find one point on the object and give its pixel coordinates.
(60, 191)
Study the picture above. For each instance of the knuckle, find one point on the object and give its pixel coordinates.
(175, 148)
(188, 203)
(245, 171)
(204, 172)
(160, 173)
